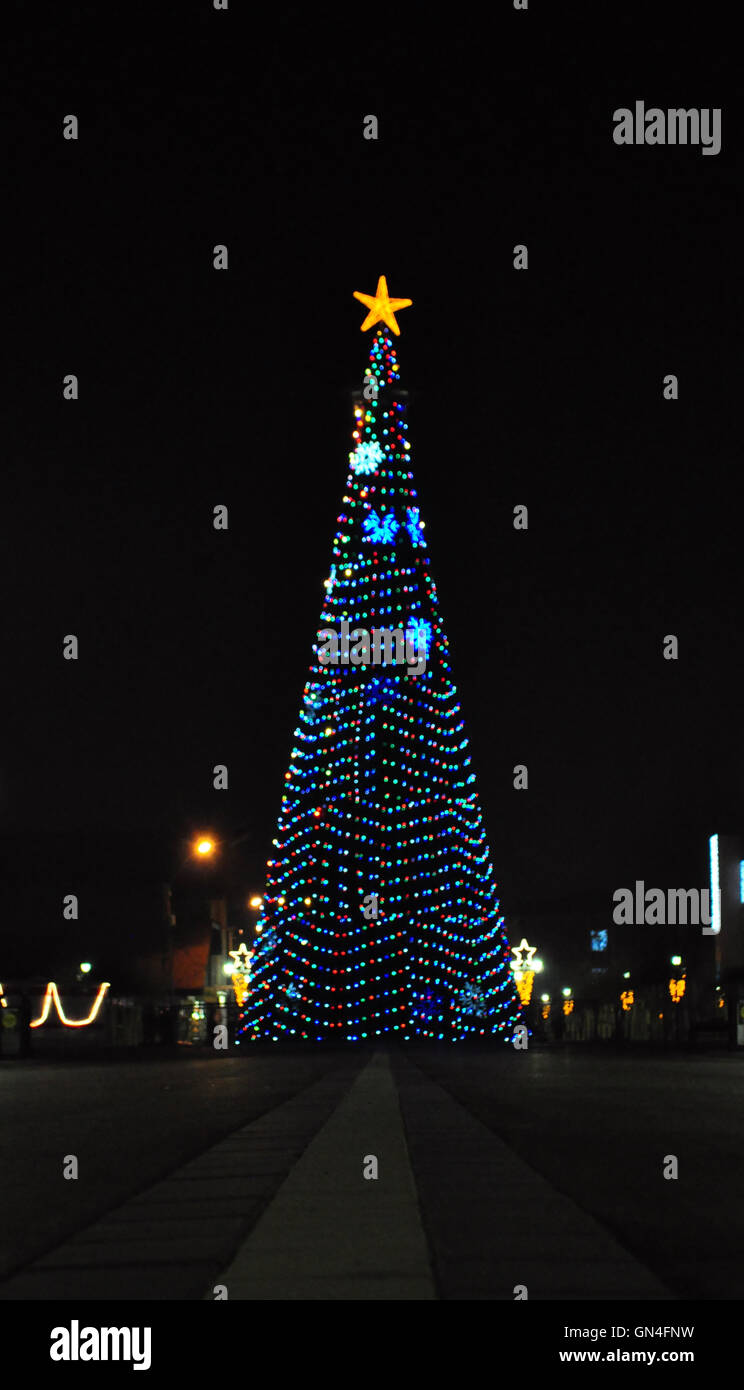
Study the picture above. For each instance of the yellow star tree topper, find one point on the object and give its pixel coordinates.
(381, 307)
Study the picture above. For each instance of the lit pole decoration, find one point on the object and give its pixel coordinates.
(677, 989)
(524, 968)
(677, 984)
(241, 972)
(568, 1003)
(627, 999)
(380, 911)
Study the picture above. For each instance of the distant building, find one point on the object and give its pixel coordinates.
(727, 911)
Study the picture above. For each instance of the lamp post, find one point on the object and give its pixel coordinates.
(255, 902)
(676, 989)
(202, 849)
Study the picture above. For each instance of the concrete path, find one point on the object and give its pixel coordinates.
(282, 1210)
(494, 1224)
(331, 1232)
(172, 1240)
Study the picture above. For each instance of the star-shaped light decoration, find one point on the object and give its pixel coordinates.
(241, 972)
(519, 962)
(242, 957)
(381, 307)
(524, 969)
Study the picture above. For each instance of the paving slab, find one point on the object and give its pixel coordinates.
(281, 1210)
(332, 1234)
(493, 1222)
(171, 1241)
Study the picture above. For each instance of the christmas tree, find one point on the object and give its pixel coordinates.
(380, 914)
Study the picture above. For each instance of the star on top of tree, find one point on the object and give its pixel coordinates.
(381, 306)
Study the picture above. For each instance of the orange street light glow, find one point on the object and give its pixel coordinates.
(204, 847)
(256, 902)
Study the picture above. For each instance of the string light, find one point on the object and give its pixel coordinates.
(52, 994)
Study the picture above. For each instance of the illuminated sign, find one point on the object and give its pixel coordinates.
(715, 890)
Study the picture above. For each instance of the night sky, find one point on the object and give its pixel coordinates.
(541, 388)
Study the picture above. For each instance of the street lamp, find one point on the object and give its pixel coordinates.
(203, 847)
(256, 902)
(568, 1002)
(86, 967)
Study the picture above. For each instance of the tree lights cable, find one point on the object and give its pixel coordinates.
(379, 804)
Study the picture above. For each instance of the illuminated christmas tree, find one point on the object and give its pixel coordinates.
(380, 914)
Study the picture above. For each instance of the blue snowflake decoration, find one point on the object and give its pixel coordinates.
(418, 633)
(414, 527)
(427, 1007)
(366, 458)
(292, 992)
(313, 703)
(331, 580)
(381, 528)
(472, 1000)
(379, 688)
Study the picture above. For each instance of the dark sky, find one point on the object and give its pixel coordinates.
(543, 388)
